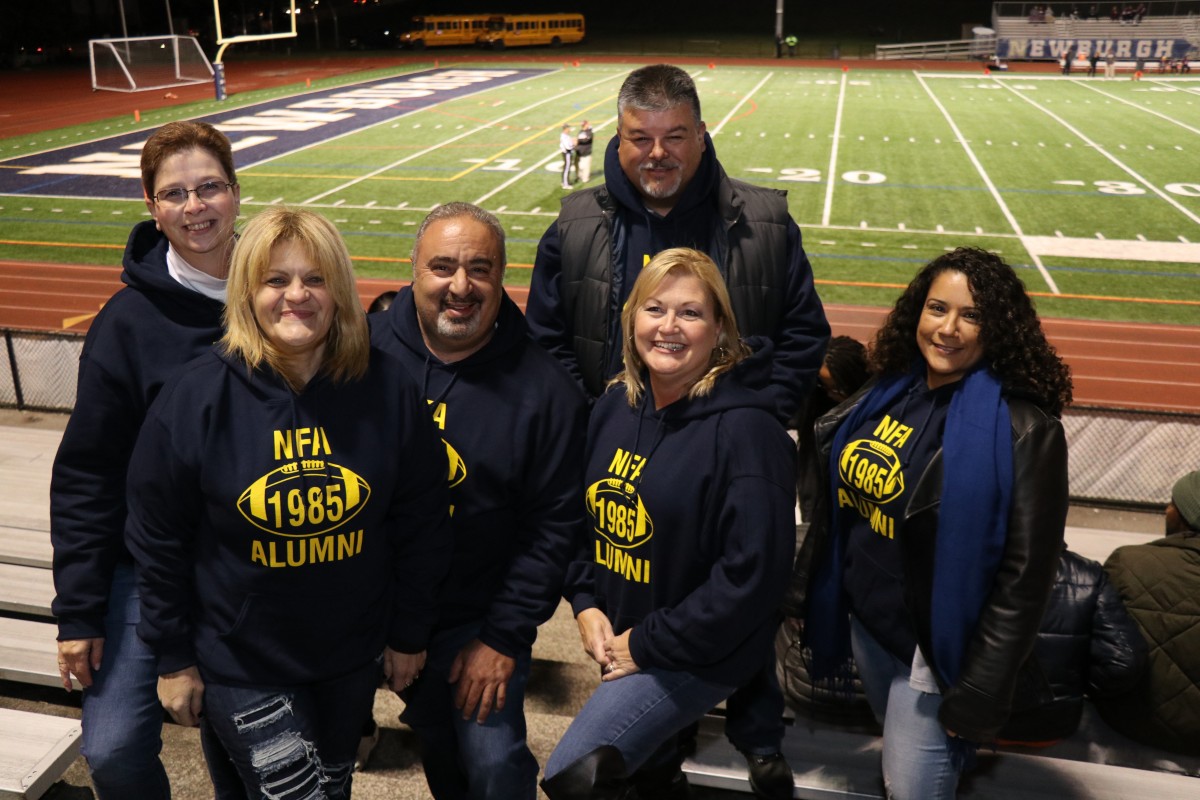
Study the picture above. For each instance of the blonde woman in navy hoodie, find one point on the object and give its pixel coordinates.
(288, 515)
(690, 496)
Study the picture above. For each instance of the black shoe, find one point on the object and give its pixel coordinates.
(770, 776)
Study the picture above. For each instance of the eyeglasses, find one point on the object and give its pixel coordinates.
(205, 192)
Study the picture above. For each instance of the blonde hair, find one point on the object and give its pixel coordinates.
(347, 344)
(680, 261)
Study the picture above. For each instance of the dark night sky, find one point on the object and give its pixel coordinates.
(53, 22)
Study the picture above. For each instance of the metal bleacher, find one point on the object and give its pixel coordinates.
(35, 749)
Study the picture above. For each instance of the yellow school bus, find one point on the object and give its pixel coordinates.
(520, 30)
(445, 30)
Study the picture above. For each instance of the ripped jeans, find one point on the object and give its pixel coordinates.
(288, 743)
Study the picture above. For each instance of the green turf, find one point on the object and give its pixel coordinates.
(924, 162)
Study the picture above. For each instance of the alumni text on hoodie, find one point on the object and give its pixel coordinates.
(513, 423)
(144, 334)
(692, 524)
(285, 538)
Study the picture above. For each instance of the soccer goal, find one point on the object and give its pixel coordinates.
(147, 62)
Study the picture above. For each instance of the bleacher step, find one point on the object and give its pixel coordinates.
(26, 590)
(832, 763)
(35, 750)
(28, 651)
(27, 547)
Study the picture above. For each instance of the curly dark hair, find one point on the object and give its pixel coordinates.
(1014, 345)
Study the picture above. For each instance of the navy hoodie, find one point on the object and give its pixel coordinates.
(513, 422)
(141, 337)
(692, 524)
(285, 538)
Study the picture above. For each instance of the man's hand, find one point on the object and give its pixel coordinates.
(594, 630)
(79, 657)
(482, 676)
(182, 695)
(401, 669)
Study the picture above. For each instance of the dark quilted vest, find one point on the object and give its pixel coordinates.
(751, 254)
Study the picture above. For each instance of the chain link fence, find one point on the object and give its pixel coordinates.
(1119, 457)
(40, 370)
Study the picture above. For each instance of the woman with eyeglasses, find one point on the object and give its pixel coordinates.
(288, 513)
(168, 313)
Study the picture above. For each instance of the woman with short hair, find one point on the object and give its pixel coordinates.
(288, 514)
(169, 312)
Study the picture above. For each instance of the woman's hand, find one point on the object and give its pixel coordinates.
(182, 695)
(594, 630)
(401, 669)
(620, 660)
(79, 657)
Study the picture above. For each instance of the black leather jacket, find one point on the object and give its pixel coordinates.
(980, 702)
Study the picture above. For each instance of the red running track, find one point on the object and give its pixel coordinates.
(1115, 365)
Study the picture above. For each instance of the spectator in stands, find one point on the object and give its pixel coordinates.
(934, 552)
(289, 518)
(169, 312)
(1094, 12)
(1158, 582)
(1139, 14)
(690, 495)
(382, 302)
(1115, 14)
(843, 373)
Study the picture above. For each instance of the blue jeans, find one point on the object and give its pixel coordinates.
(287, 743)
(463, 758)
(637, 714)
(920, 761)
(122, 718)
(754, 713)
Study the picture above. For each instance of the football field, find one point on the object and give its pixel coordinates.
(1091, 188)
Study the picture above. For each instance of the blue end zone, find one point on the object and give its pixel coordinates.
(109, 168)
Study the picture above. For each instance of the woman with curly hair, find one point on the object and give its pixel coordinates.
(934, 545)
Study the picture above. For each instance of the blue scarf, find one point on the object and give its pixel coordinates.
(972, 523)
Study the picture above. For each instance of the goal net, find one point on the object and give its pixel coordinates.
(147, 62)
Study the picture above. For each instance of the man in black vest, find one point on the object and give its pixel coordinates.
(663, 187)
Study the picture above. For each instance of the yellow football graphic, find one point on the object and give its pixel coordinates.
(458, 467)
(618, 514)
(304, 498)
(887, 483)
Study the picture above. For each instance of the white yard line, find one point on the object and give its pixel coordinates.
(552, 99)
(1158, 114)
(1016, 226)
(831, 173)
(1174, 84)
(1120, 164)
(747, 96)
